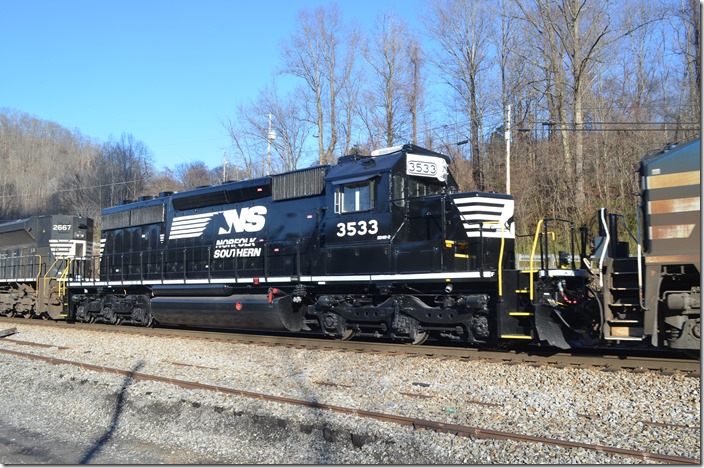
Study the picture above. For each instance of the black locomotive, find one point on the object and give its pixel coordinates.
(385, 246)
(378, 245)
(36, 255)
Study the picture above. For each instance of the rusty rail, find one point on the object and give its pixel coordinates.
(459, 430)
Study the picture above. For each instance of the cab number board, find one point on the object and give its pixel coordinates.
(421, 168)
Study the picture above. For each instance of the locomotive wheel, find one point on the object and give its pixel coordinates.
(142, 317)
(420, 338)
(347, 334)
(149, 321)
(109, 315)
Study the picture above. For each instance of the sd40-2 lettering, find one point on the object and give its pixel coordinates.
(357, 228)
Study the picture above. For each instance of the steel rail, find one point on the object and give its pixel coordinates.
(607, 360)
(415, 423)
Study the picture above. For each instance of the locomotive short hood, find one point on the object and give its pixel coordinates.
(355, 167)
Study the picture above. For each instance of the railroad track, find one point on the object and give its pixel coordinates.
(606, 360)
(415, 423)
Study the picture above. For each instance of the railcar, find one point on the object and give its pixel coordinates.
(35, 256)
(670, 304)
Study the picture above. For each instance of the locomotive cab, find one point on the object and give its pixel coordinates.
(380, 218)
(398, 211)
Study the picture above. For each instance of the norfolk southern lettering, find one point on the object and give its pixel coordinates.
(241, 247)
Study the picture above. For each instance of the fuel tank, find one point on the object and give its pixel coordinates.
(243, 311)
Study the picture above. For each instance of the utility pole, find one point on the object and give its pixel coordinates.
(224, 166)
(507, 137)
(270, 136)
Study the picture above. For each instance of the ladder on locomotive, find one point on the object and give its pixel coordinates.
(621, 280)
(51, 289)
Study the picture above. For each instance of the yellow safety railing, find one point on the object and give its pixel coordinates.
(61, 278)
(536, 238)
(501, 255)
(64, 277)
(39, 274)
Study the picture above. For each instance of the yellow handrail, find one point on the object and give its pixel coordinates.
(501, 255)
(61, 278)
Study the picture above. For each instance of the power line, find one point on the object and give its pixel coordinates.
(598, 122)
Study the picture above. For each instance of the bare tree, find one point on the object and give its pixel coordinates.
(165, 181)
(416, 91)
(687, 28)
(317, 55)
(253, 151)
(390, 84)
(461, 28)
(574, 37)
(193, 174)
(124, 168)
(38, 157)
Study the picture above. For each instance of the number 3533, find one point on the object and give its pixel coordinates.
(357, 228)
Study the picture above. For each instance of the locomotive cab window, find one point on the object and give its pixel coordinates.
(423, 188)
(355, 196)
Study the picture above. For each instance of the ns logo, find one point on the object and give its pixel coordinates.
(248, 219)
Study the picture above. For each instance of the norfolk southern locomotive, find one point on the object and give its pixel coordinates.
(36, 256)
(382, 246)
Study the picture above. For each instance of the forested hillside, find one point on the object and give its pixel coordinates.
(49, 169)
(592, 87)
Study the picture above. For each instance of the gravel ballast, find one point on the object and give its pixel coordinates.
(63, 414)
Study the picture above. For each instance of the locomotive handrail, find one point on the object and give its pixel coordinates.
(63, 278)
(536, 237)
(39, 273)
(603, 250)
(501, 254)
(639, 256)
(547, 265)
(613, 224)
(48, 278)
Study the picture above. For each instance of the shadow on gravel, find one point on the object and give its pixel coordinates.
(119, 404)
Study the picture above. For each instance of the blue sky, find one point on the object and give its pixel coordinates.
(166, 71)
